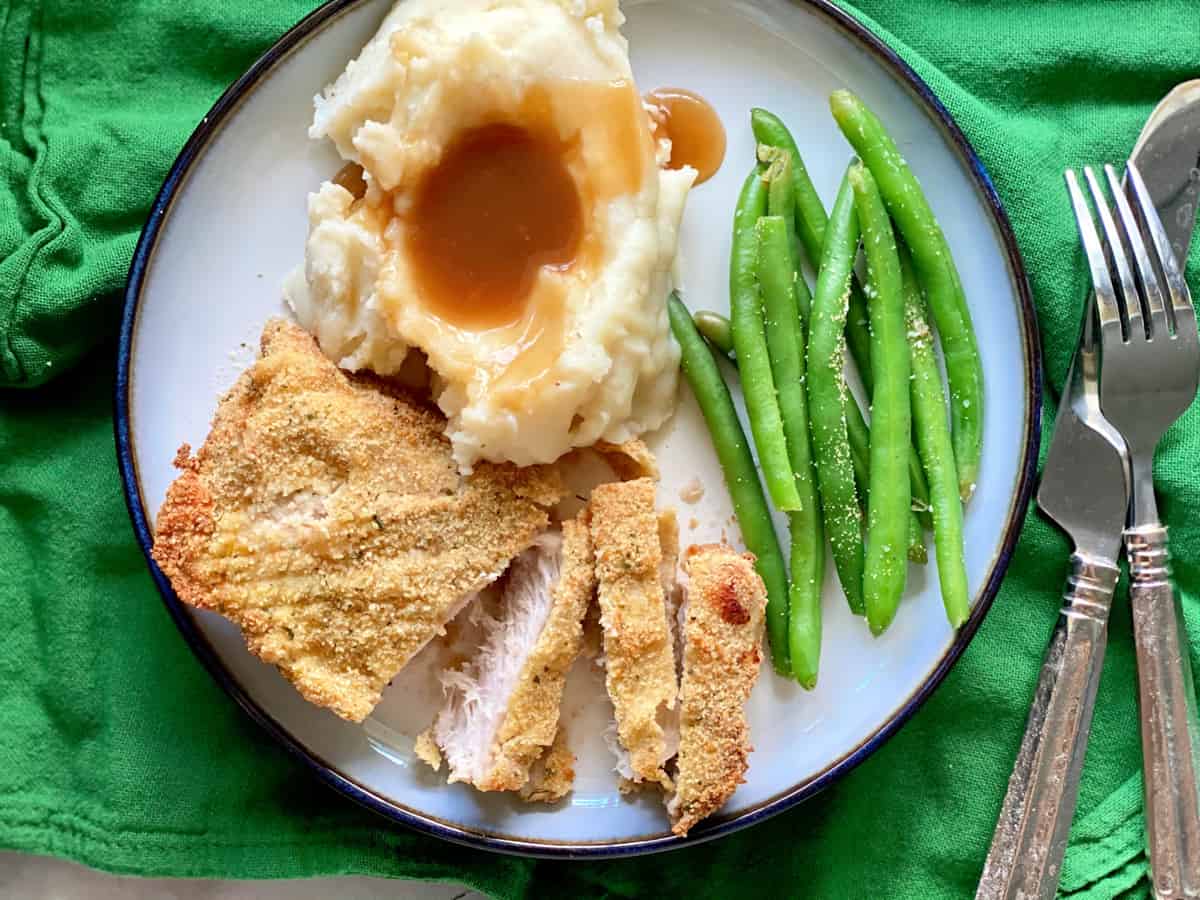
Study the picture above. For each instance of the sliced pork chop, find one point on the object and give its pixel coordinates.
(502, 706)
(639, 656)
(723, 628)
(324, 515)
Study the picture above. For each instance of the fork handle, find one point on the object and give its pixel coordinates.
(1027, 849)
(1167, 703)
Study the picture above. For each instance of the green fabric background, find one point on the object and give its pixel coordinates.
(117, 750)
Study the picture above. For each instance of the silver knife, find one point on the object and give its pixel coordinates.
(1030, 839)
(1170, 148)
(1168, 156)
(1084, 489)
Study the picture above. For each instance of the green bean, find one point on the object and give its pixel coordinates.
(826, 397)
(937, 451)
(811, 219)
(785, 343)
(750, 344)
(916, 474)
(889, 503)
(716, 330)
(811, 222)
(860, 449)
(781, 201)
(741, 474)
(781, 197)
(861, 357)
(936, 272)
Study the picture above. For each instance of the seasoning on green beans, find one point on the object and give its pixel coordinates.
(811, 222)
(750, 344)
(826, 397)
(741, 476)
(889, 497)
(936, 272)
(932, 432)
(785, 343)
(716, 330)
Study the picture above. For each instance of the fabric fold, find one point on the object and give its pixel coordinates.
(117, 749)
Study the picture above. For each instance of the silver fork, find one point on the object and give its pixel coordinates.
(1150, 367)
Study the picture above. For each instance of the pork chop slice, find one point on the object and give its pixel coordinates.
(324, 515)
(502, 705)
(723, 629)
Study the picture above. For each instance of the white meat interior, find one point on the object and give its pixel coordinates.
(478, 694)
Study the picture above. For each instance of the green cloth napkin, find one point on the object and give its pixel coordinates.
(117, 750)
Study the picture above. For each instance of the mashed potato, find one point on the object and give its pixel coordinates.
(584, 353)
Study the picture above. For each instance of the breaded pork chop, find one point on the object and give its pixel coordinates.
(723, 627)
(639, 654)
(502, 706)
(325, 516)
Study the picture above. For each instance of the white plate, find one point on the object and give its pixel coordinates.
(230, 222)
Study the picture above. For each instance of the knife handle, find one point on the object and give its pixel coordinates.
(1167, 704)
(1027, 849)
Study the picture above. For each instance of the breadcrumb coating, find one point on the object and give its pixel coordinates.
(426, 750)
(638, 644)
(722, 656)
(324, 515)
(630, 460)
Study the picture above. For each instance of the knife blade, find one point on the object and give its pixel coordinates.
(1168, 156)
(1085, 481)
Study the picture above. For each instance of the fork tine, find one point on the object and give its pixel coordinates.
(1151, 293)
(1127, 297)
(1106, 303)
(1181, 302)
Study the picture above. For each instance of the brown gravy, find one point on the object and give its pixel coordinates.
(507, 200)
(696, 133)
(499, 206)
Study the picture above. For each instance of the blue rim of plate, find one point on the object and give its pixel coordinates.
(193, 150)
